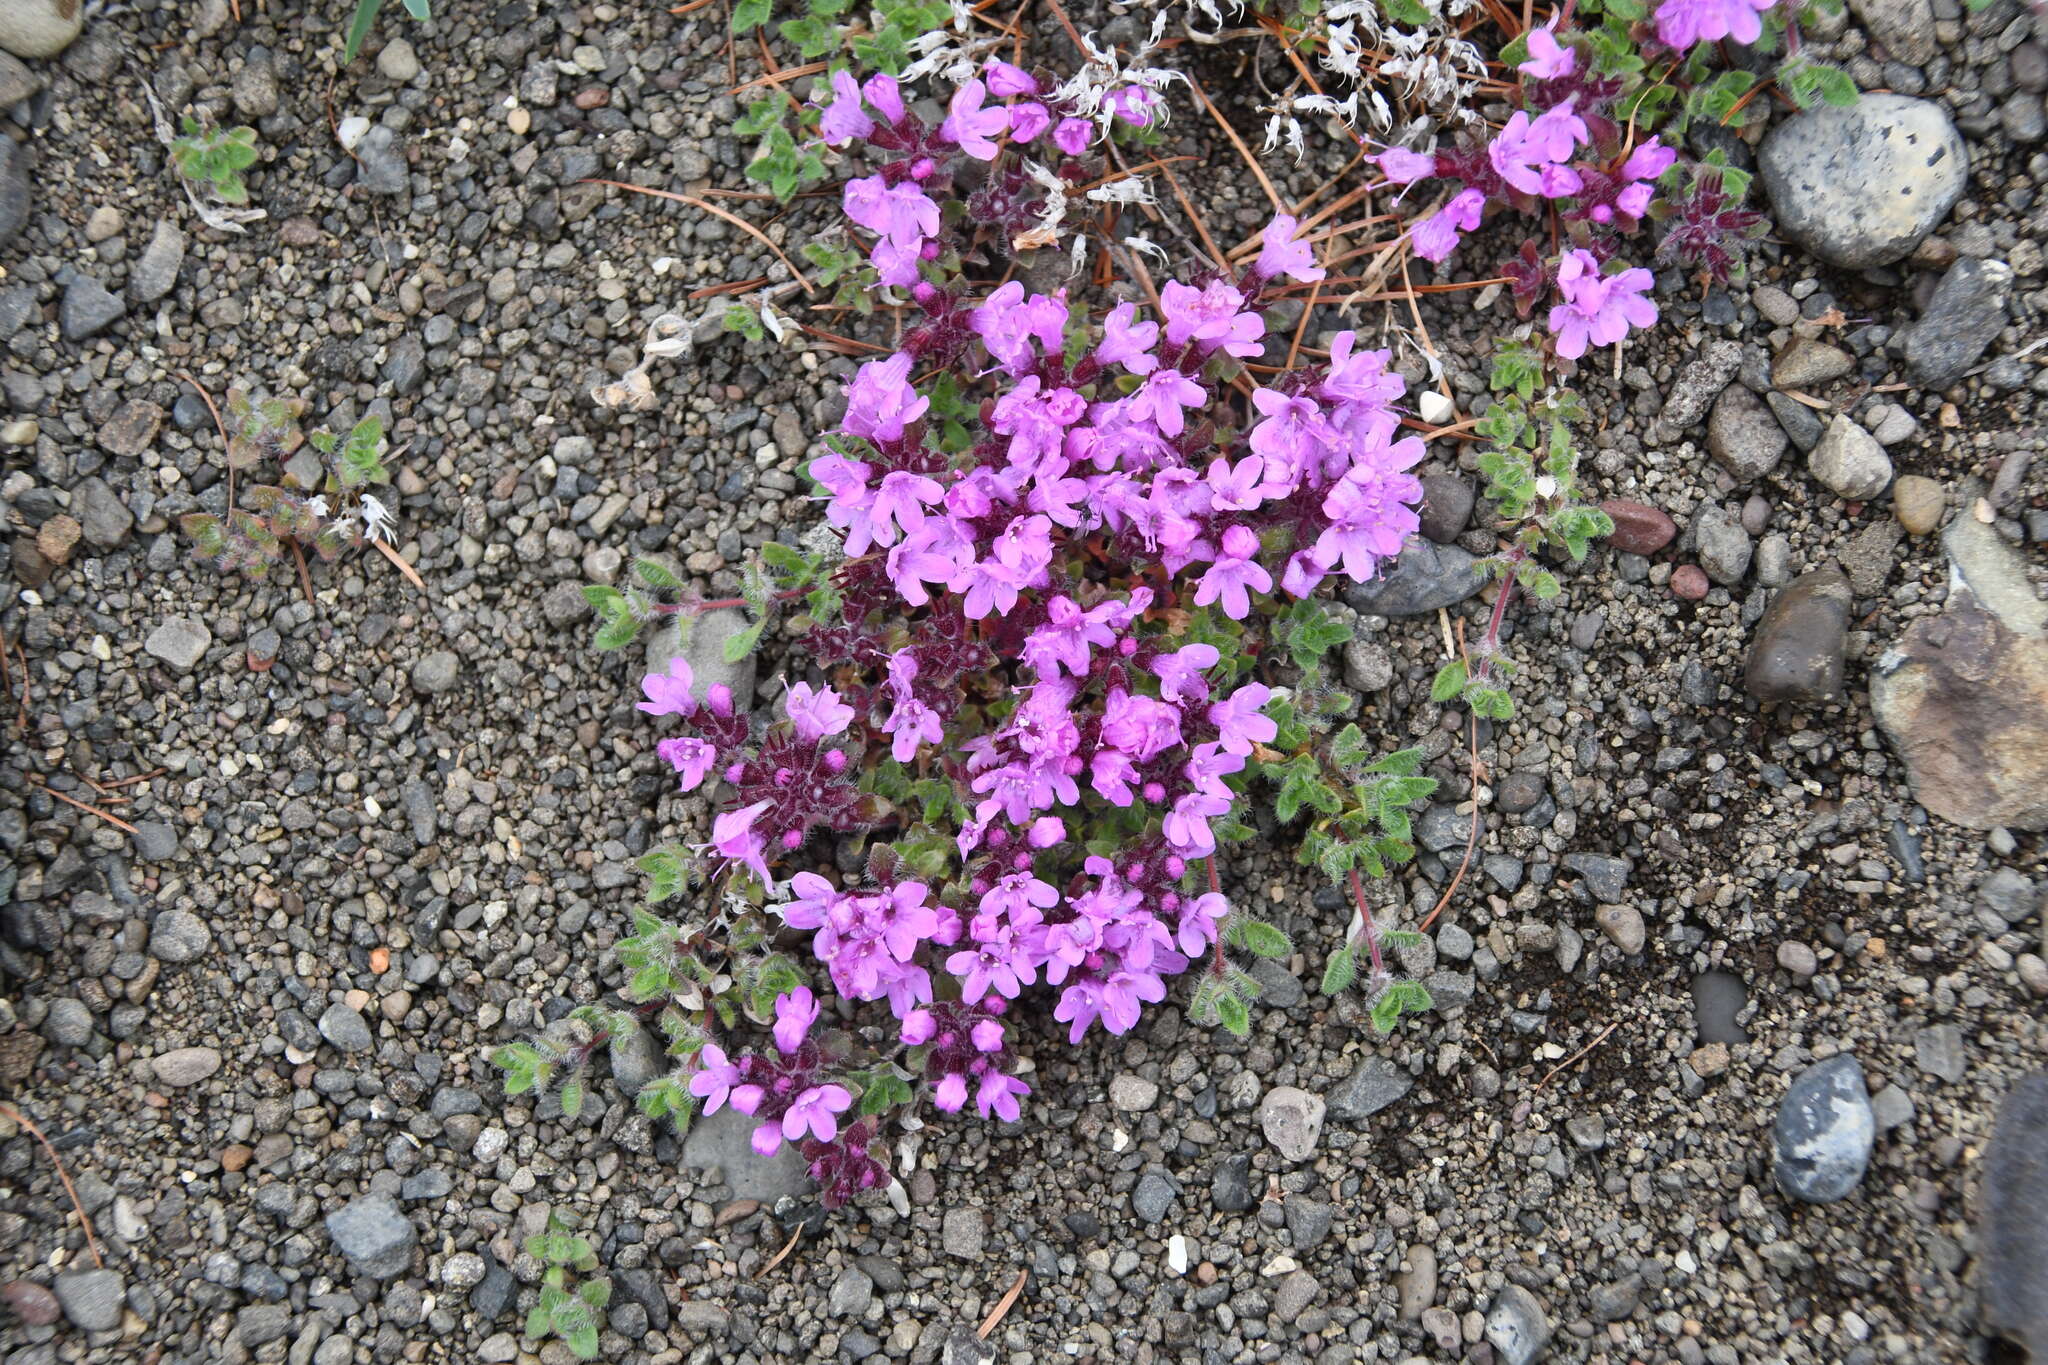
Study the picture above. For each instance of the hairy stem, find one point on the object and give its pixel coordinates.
(1368, 930)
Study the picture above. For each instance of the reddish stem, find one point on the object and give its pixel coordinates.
(1367, 929)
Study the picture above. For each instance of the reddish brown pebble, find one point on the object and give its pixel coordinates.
(380, 960)
(300, 232)
(33, 1304)
(1689, 581)
(58, 536)
(1639, 529)
(596, 97)
(260, 663)
(235, 1157)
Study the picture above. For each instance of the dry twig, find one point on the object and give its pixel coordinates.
(84, 1221)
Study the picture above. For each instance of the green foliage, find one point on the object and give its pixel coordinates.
(365, 17)
(567, 1309)
(1256, 936)
(216, 158)
(1812, 83)
(784, 164)
(1308, 631)
(1397, 999)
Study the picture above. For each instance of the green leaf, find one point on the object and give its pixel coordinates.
(792, 565)
(748, 15)
(596, 1293)
(572, 1098)
(761, 115)
(1401, 938)
(1339, 972)
(359, 28)
(1385, 1014)
(419, 9)
(665, 873)
(657, 575)
(582, 1341)
(1258, 938)
(1450, 681)
(1233, 1014)
(812, 37)
(739, 646)
(1313, 633)
(1407, 13)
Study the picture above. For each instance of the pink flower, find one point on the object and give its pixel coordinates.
(1213, 317)
(918, 1028)
(1005, 80)
(1072, 135)
(794, 1015)
(716, 1078)
(1233, 572)
(1180, 673)
(1370, 515)
(1198, 920)
(816, 714)
(815, 1111)
(690, 757)
(1549, 60)
(1682, 23)
(1239, 720)
(1132, 104)
(668, 692)
(1529, 154)
(1598, 310)
(733, 836)
(884, 97)
(880, 402)
(1126, 342)
(1027, 120)
(900, 213)
(1281, 254)
(950, 1094)
(998, 1094)
(1160, 399)
(1403, 167)
(843, 120)
(970, 125)
(1436, 236)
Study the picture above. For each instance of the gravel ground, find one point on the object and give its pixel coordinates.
(256, 1027)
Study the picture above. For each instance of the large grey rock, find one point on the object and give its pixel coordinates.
(181, 642)
(1516, 1327)
(1850, 461)
(345, 1028)
(1797, 652)
(1820, 1145)
(374, 1234)
(185, 1066)
(1962, 319)
(40, 28)
(2012, 1243)
(704, 651)
(1376, 1084)
(87, 309)
(1292, 1120)
(725, 1141)
(92, 1299)
(1423, 577)
(1744, 436)
(1905, 27)
(1863, 186)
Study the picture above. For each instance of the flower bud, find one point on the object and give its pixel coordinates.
(1176, 866)
(835, 761)
(1155, 792)
(719, 698)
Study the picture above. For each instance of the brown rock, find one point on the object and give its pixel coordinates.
(235, 1157)
(1809, 361)
(1639, 529)
(1918, 502)
(595, 97)
(1796, 655)
(1964, 700)
(131, 429)
(33, 1304)
(1689, 581)
(58, 537)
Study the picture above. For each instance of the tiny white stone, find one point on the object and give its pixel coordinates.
(351, 132)
(1435, 408)
(1177, 1254)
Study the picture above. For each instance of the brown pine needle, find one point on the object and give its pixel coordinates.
(1578, 1055)
(783, 1254)
(113, 820)
(1003, 1305)
(742, 224)
(412, 574)
(1258, 172)
(91, 1242)
(218, 426)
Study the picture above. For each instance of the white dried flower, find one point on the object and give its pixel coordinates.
(377, 518)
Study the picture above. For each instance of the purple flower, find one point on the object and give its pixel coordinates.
(1007, 323)
(950, 1094)
(843, 120)
(1160, 399)
(1137, 725)
(1529, 154)
(1198, 920)
(1436, 236)
(1239, 720)
(894, 264)
(668, 692)
(1282, 254)
(1682, 23)
(1027, 120)
(884, 97)
(1213, 317)
(918, 1028)
(816, 713)
(690, 757)
(1549, 60)
(1123, 993)
(814, 1110)
(1598, 310)
(998, 1095)
(794, 1015)
(1072, 135)
(970, 125)
(715, 1079)
(880, 402)
(733, 835)
(1131, 104)
(1005, 80)
(1128, 343)
(998, 962)
(1233, 572)
(1186, 826)
(1403, 167)
(1180, 673)
(900, 213)
(987, 1036)
(1371, 513)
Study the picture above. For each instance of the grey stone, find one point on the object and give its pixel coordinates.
(2012, 1240)
(1869, 555)
(1939, 1052)
(179, 936)
(1131, 1094)
(1376, 1084)
(345, 1028)
(1516, 1326)
(1441, 829)
(1905, 27)
(705, 653)
(1724, 547)
(1743, 435)
(724, 1141)
(436, 673)
(1623, 925)
(1809, 362)
(1821, 1142)
(102, 516)
(17, 191)
(1606, 877)
(1862, 186)
(1424, 577)
(1230, 1187)
(1617, 1301)
(1308, 1223)
(1962, 319)
(1292, 1120)
(156, 272)
(1446, 506)
(92, 1299)
(1153, 1195)
(375, 1235)
(1717, 998)
(181, 642)
(39, 28)
(2010, 894)
(380, 162)
(1703, 380)
(1297, 1290)
(851, 1293)
(1849, 461)
(262, 1323)
(87, 309)
(185, 1066)
(1798, 650)
(17, 82)
(1795, 419)
(69, 1023)
(1367, 665)
(398, 62)
(1891, 1108)
(636, 1059)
